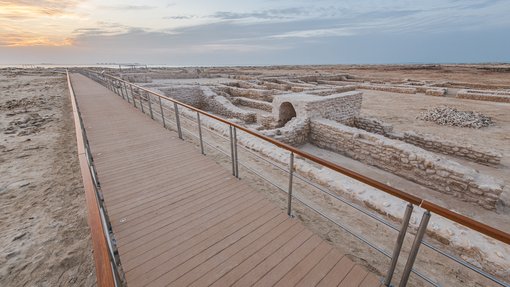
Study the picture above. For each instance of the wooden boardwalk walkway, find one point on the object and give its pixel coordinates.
(180, 219)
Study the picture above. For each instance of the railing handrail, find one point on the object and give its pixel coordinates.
(427, 205)
(104, 273)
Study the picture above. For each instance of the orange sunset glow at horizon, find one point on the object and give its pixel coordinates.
(37, 23)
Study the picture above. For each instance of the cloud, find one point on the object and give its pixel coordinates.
(30, 9)
(36, 23)
(331, 32)
(286, 13)
(247, 29)
(183, 17)
(128, 7)
(102, 29)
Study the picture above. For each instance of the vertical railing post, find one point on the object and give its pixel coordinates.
(398, 244)
(177, 120)
(126, 91)
(200, 133)
(150, 105)
(141, 100)
(116, 88)
(291, 174)
(235, 153)
(414, 249)
(162, 114)
(122, 90)
(232, 150)
(133, 96)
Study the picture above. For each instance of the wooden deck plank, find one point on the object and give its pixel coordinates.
(314, 276)
(286, 265)
(180, 219)
(337, 273)
(160, 266)
(138, 243)
(157, 198)
(159, 218)
(355, 277)
(294, 275)
(273, 259)
(226, 266)
(371, 280)
(199, 231)
(239, 238)
(254, 259)
(265, 231)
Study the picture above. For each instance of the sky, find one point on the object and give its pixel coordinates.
(260, 32)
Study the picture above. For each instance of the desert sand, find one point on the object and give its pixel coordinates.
(44, 236)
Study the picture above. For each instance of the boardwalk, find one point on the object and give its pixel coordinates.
(180, 219)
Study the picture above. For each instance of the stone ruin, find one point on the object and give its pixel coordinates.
(329, 122)
(327, 115)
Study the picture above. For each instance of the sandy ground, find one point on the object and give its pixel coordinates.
(44, 236)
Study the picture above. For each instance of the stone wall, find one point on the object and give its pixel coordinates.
(339, 107)
(276, 86)
(191, 95)
(256, 94)
(437, 92)
(266, 121)
(429, 142)
(222, 106)
(372, 125)
(407, 161)
(296, 132)
(388, 88)
(256, 104)
(468, 152)
(483, 95)
(330, 91)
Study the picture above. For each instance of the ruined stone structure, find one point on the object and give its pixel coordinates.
(486, 157)
(388, 88)
(485, 95)
(191, 95)
(407, 161)
(295, 132)
(437, 92)
(221, 105)
(256, 94)
(429, 142)
(325, 111)
(338, 107)
(256, 104)
(372, 125)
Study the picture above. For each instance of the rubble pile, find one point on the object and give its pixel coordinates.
(448, 116)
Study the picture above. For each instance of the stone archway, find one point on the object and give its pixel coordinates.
(286, 113)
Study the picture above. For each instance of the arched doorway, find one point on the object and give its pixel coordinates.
(287, 112)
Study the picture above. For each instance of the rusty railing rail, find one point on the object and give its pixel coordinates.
(106, 265)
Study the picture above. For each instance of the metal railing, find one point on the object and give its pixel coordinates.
(137, 95)
(105, 256)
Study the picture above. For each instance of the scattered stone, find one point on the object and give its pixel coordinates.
(448, 116)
